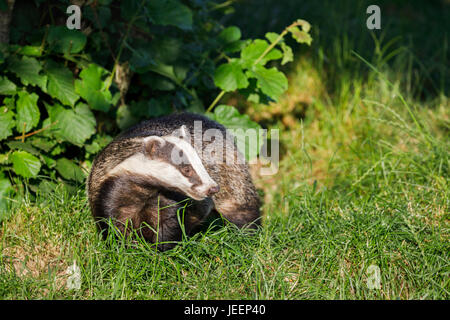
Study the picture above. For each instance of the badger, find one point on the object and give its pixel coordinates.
(167, 175)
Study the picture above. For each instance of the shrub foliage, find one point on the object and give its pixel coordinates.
(65, 93)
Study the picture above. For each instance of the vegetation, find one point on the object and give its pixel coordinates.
(65, 92)
(362, 180)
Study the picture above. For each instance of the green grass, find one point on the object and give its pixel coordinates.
(386, 208)
(363, 180)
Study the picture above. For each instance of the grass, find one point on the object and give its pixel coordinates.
(363, 180)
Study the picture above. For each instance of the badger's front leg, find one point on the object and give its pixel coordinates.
(195, 214)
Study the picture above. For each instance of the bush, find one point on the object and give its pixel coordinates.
(65, 93)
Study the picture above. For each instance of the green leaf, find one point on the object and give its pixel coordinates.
(271, 81)
(247, 133)
(156, 82)
(7, 122)
(7, 87)
(253, 94)
(25, 164)
(272, 36)
(60, 84)
(43, 143)
(141, 60)
(47, 187)
(27, 111)
(98, 144)
(125, 118)
(75, 126)
(6, 190)
(300, 36)
(236, 46)
(196, 106)
(53, 112)
(101, 18)
(166, 50)
(230, 117)
(33, 51)
(24, 146)
(4, 159)
(151, 108)
(92, 88)
(9, 102)
(49, 162)
(165, 70)
(253, 51)
(230, 76)
(64, 40)
(288, 55)
(69, 170)
(27, 69)
(57, 150)
(92, 76)
(170, 12)
(229, 35)
(305, 25)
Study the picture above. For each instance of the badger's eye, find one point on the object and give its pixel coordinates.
(187, 171)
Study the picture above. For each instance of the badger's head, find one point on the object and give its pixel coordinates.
(171, 162)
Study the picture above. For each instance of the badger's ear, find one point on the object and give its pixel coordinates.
(181, 133)
(152, 144)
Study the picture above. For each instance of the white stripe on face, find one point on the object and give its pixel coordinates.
(166, 172)
(161, 171)
(193, 158)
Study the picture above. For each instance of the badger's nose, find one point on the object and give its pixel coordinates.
(213, 190)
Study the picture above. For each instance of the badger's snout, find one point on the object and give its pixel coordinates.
(213, 190)
(207, 190)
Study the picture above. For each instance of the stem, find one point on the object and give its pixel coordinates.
(102, 33)
(116, 62)
(44, 38)
(222, 5)
(272, 45)
(215, 101)
(23, 136)
(157, 226)
(280, 37)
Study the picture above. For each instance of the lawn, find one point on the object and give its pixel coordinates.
(362, 185)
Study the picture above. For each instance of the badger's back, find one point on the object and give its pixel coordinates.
(168, 124)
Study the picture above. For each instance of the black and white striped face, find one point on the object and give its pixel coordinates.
(173, 163)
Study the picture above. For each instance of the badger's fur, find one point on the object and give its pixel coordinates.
(136, 181)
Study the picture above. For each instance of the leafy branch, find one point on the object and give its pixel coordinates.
(230, 76)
